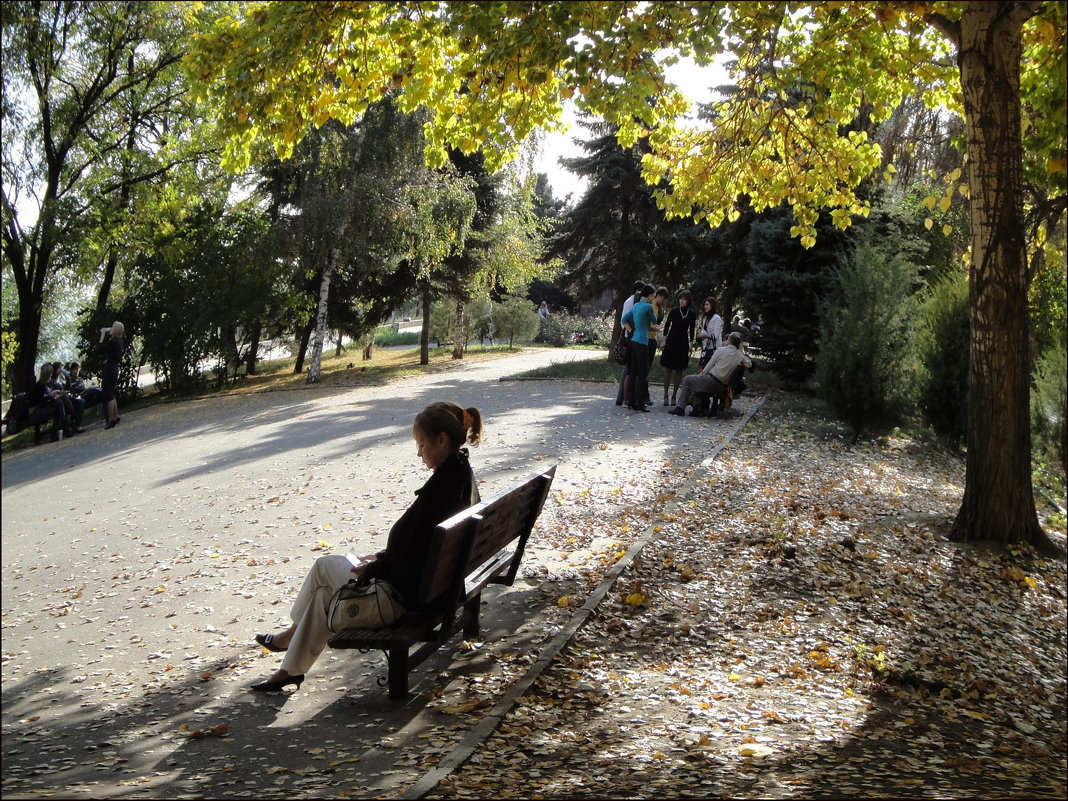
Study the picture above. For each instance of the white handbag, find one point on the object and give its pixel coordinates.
(359, 604)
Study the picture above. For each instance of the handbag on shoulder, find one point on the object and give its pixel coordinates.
(372, 604)
(621, 350)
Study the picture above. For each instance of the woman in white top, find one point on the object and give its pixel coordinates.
(711, 334)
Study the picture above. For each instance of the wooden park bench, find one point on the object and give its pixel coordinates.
(480, 546)
(20, 415)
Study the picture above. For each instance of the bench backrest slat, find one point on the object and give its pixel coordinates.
(447, 556)
(509, 517)
(471, 537)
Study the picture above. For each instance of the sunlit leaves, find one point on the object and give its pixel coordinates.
(490, 73)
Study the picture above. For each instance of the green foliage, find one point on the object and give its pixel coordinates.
(8, 340)
(95, 114)
(1048, 295)
(515, 319)
(479, 319)
(386, 337)
(864, 336)
(784, 289)
(1049, 406)
(442, 324)
(561, 328)
(615, 234)
(195, 290)
(941, 342)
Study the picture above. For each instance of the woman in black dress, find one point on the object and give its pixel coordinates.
(678, 338)
(112, 349)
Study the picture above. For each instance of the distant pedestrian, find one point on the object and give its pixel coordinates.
(543, 310)
(112, 350)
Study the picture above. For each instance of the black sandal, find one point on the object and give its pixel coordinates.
(267, 641)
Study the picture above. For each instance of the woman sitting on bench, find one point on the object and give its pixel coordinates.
(440, 431)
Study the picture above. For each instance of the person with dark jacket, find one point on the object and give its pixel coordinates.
(43, 394)
(76, 386)
(112, 350)
(73, 406)
(440, 431)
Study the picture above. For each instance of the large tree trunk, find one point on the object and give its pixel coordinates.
(998, 499)
(30, 259)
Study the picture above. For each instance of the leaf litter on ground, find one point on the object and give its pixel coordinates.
(799, 626)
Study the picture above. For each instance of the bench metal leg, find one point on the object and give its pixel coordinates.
(471, 610)
(397, 659)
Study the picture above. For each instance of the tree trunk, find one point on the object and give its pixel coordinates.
(302, 349)
(459, 339)
(29, 330)
(315, 370)
(998, 502)
(424, 332)
(253, 348)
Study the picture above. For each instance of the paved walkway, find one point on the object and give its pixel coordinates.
(139, 562)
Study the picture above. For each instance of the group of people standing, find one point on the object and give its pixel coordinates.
(643, 317)
(65, 394)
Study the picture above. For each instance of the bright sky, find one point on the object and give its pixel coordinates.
(696, 82)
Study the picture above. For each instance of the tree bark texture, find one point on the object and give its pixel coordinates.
(998, 502)
(459, 339)
(316, 367)
(424, 332)
(302, 348)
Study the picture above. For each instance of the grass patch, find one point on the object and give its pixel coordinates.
(388, 338)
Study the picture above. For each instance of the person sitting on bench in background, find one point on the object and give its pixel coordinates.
(73, 406)
(91, 396)
(440, 431)
(43, 394)
(716, 376)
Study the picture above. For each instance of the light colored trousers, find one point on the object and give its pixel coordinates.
(697, 384)
(327, 575)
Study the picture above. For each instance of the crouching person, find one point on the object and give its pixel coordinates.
(717, 375)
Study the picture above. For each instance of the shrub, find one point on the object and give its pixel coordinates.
(442, 321)
(942, 335)
(568, 329)
(864, 337)
(1049, 405)
(515, 318)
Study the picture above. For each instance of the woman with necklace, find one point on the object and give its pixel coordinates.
(711, 334)
(678, 336)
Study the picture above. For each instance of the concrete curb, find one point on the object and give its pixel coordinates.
(489, 723)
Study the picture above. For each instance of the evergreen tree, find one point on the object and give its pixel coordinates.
(616, 234)
(784, 290)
